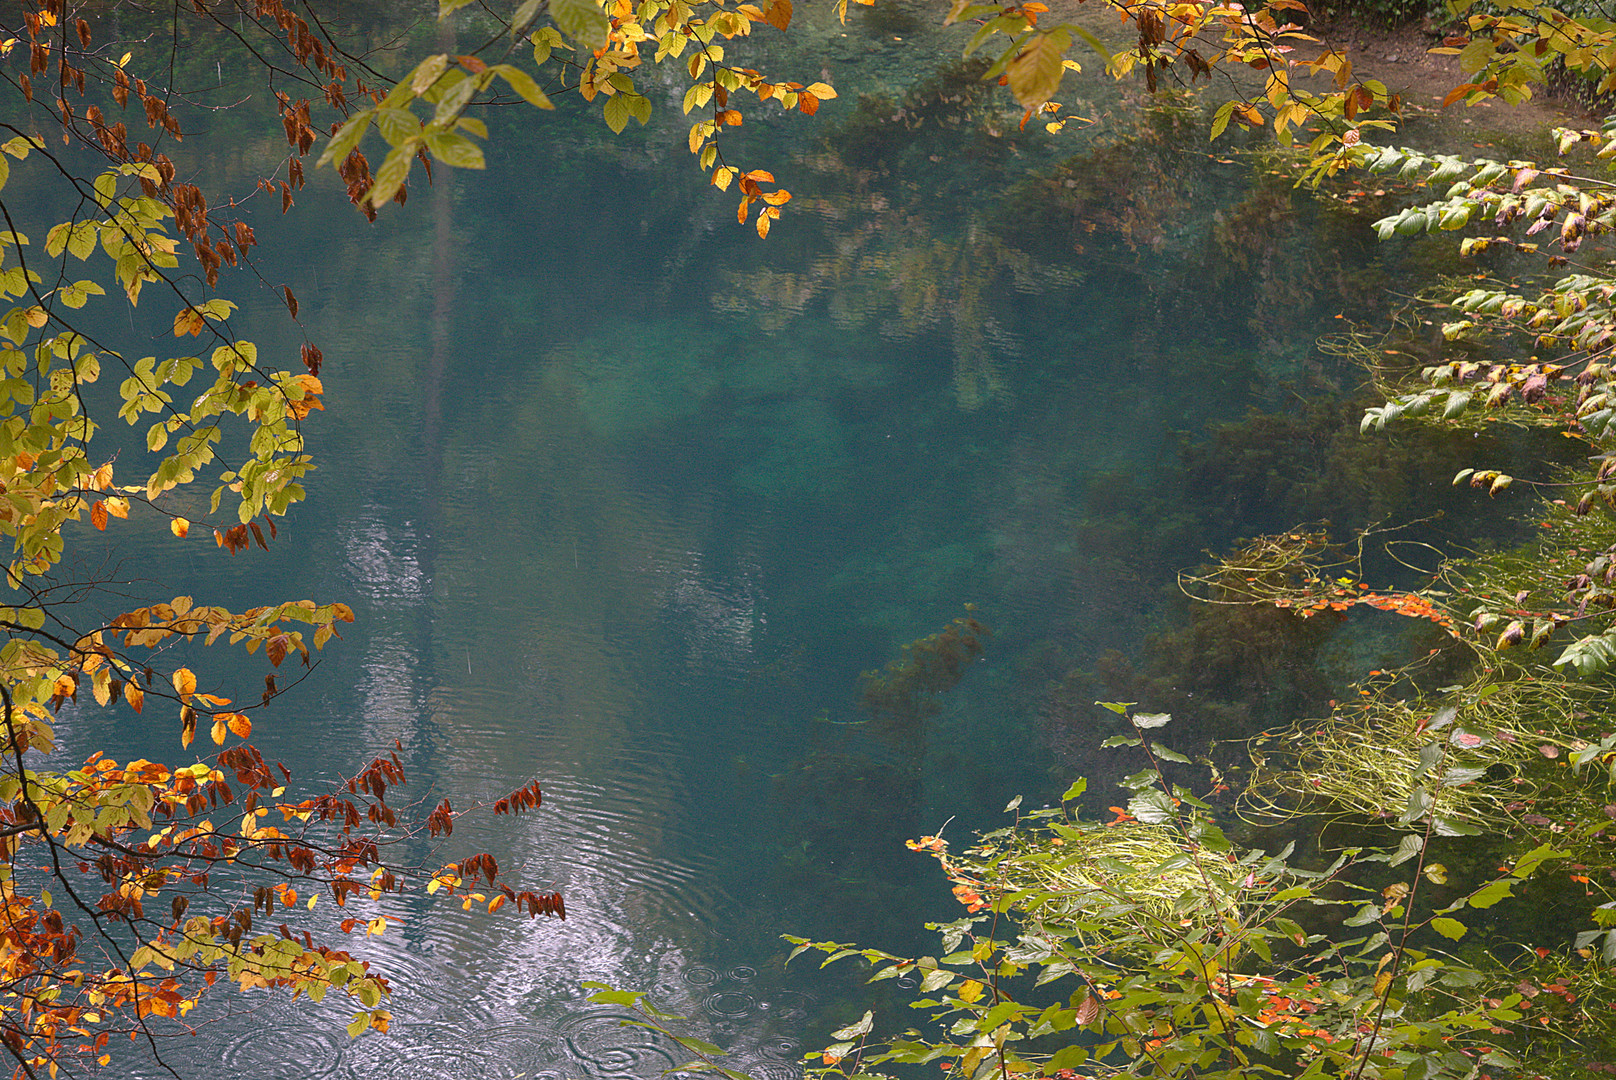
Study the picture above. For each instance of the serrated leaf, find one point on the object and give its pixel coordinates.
(1035, 71)
(863, 1024)
(616, 113)
(1408, 847)
(455, 150)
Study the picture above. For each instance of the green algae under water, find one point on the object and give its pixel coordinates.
(635, 509)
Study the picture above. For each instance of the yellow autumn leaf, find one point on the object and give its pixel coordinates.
(184, 683)
(970, 990)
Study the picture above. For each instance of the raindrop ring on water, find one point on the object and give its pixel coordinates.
(604, 1047)
(731, 1003)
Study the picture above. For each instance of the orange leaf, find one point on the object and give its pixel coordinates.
(1458, 92)
(778, 14)
(134, 695)
(240, 726)
(807, 104)
(179, 527)
(98, 515)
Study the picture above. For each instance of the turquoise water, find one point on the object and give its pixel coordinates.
(625, 501)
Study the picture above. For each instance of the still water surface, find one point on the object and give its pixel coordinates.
(625, 501)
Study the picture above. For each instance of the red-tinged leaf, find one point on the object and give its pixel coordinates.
(240, 726)
(807, 104)
(179, 527)
(778, 14)
(98, 515)
(134, 695)
(472, 64)
(291, 301)
(258, 534)
(1088, 1010)
(730, 117)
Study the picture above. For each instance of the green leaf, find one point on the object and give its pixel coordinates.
(617, 114)
(863, 1024)
(1452, 929)
(696, 1045)
(455, 150)
(524, 85)
(1151, 720)
(525, 14)
(1527, 864)
(346, 138)
(1152, 807)
(390, 177)
(1408, 847)
(608, 995)
(582, 21)
(1076, 790)
(1489, 895)
(707, 1066)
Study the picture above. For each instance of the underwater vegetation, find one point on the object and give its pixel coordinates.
(904, 693)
